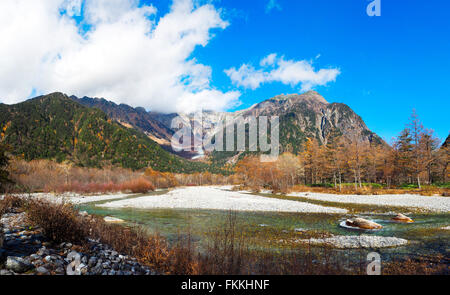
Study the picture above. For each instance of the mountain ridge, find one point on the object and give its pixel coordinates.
(56, 127)
(302, 116)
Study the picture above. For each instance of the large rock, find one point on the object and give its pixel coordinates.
(18, 264)
(402, 218)
(363, 223)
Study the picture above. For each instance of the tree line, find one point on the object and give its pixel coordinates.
(415, 158)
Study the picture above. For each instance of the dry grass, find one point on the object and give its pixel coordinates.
(437, 265)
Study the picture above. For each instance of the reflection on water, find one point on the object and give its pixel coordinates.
(265, 229)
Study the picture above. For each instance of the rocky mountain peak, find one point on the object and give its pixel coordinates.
(313, 96)
(310, 96)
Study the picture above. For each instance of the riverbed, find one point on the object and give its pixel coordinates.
(275, 230)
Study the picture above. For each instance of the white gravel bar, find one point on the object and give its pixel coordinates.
(218, 198)
(435, 204)
(355, 242)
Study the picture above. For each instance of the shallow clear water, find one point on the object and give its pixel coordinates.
(266, 229)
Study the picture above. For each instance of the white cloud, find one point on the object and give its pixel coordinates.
(126, 56)
(268, 60)
(278, 69)
(272, 4)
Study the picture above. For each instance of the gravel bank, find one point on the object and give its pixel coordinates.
(26, 250)
(435, 204)
(220, 198)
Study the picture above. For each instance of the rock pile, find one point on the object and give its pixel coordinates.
(26, 251)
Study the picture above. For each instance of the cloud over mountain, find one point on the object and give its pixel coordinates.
(117, 49)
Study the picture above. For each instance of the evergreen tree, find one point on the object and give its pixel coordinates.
(4, 161)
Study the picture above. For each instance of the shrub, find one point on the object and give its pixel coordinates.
(140, 185)
(59, 222)
(9, 202)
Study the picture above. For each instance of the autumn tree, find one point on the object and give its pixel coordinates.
(428, 146)
(443, 158)
(290, 167)
(357, 150)
(335, 159)
(311, 156)
(403, 154)
(416, 129)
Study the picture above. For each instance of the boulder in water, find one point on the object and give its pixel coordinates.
(363, 223)
(110, 219)
(402, 218)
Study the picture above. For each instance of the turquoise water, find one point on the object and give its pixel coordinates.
(265, 230)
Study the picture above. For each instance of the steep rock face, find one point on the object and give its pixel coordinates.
(446, 142)
(309, 115)
(128, 116)
(303, 116)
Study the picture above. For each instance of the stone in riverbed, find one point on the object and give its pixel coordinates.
(402, 218)
(92, 261)
(18, 264)
(42, 271)
(110, 219)
(363, 223)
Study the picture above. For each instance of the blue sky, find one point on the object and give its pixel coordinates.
(389, 65)
(180, 56)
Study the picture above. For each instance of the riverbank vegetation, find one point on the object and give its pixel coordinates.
(414, 164)
(228, 252)
(50, 176)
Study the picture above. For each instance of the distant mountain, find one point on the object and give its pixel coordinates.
(309, 115)
(56, 127)
(446, 142)
(155, 125)
(303, 116)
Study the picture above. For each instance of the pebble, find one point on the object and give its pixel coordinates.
(42, 270)
(18, 264)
